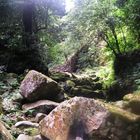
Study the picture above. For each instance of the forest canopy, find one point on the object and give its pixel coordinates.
(54, 29)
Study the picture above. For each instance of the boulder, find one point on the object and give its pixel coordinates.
(77, 114)
(4, 133)
(37, 86)
(82, 118)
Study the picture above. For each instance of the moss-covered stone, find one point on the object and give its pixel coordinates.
(70, 83)
(133, 102)
(60, 76)
(84, 92)
(123, 114)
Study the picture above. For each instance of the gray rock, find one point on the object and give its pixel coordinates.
(42, 106)
(37, 86)
(26, 137)
(39, 117)
(26, 124)
(84, 118)
(78, 116)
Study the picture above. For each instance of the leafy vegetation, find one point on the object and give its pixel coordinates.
(94, 35)
(91, 50)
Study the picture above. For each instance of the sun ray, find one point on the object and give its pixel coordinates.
(69, 5)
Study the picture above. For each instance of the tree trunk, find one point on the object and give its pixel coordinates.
(27, 19)
(28, 16)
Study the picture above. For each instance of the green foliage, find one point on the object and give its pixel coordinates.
(106, 70)
(10, 24)
(103, 19)
(132, 17)
(18, 44)
(91, 22)
(57, 54)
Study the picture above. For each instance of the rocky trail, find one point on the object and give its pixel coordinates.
(64, 106)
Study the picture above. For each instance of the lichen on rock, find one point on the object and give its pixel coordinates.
(37, 86)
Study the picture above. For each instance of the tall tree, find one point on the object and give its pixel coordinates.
(105, 19)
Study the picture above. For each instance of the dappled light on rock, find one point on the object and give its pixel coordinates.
(89, 119)
(76, 112)
(37, 86)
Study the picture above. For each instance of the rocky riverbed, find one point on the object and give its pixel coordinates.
(64, 106)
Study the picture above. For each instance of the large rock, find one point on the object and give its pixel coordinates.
(37, 86)
(82, 118)
(4, 133)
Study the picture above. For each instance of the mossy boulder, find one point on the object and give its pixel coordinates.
(90, 119)
(123, 114)
(60, 76)
(133, 102)
(86, 92)
(37, 86)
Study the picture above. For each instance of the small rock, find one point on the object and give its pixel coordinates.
(42, 106)
(39, 117)
(70, 83)
(25, 124)
(26, 137)
(121, 104)
(38, 137)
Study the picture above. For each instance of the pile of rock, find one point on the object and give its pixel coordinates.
(78, 118)
(79, 85)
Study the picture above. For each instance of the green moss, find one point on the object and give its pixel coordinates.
(126, 115)
(59, 76)
(132, 97)
(31, 131)
(70, 83)
(133, 102)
